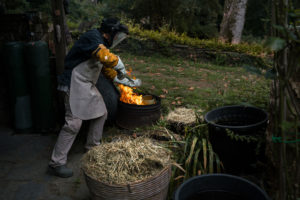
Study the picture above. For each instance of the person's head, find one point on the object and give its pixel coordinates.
(113, 31)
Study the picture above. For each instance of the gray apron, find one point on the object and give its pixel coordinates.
(86, 101)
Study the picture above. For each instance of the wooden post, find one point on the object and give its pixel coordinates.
(58, 14)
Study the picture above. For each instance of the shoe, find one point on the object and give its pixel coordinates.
(60, 171)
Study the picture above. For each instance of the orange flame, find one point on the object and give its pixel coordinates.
(128, 96)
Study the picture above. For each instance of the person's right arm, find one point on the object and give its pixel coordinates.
(113, 66)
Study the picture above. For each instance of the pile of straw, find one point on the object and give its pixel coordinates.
(182, 115)
(125, 161)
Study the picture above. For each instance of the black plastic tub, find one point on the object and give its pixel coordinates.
(237, 153)
(219, 187)
(132, 116)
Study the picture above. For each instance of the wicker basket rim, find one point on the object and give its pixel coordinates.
(131, 183)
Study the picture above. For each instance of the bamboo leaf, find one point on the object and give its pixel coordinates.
(200, 170)
(204, 154)
(178, 177)
(170, 135)
(218, 163)
(178, 166)
(179, 142)
(188, 160)
(196, 161)
(186, 146)
(211, 158)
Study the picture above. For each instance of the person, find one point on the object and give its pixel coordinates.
(88, 57)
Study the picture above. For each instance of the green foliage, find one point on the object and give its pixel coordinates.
(194, 156)
(285, 107)
(257, 19)
(84, 15)
(16, 6)
(23, 6)
(166, 37)
(275, 43)
(197, 18)
(258, 139)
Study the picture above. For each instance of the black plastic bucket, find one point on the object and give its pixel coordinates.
(219, 187)
(237, 153)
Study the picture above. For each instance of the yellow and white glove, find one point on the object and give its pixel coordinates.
(113, 67)
(128, 82)
(120, 68)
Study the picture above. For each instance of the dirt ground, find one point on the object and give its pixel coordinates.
(23, 164)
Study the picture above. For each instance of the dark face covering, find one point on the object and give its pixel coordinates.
(113, 28)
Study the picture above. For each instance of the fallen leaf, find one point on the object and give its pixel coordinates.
(152, 87)
(177, 98)
(191, 88)
(180, 69)
(134, 135)
(245, 77)
(162, 96)
(165, 91)
(179, 102)
(173, 103)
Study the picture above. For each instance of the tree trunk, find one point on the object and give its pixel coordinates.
(233, 21)
(59, 34)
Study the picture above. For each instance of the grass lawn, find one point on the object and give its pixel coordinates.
(197, 85)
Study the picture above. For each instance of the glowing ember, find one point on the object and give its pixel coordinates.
(128, 96)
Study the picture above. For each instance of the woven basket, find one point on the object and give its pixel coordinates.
(154, 188)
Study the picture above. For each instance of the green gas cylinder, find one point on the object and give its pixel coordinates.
(37, 61)
(18, 87)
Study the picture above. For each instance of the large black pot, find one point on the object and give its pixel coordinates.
(237, 153)
(132, 116)
(110, 96)
(219, 186)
